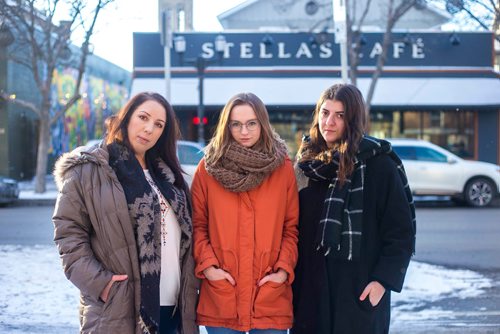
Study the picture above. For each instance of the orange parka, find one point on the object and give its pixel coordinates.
(248, 234)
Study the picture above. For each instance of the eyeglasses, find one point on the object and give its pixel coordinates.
(251, 125)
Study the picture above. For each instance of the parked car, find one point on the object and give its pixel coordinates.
(432, 170)
(9, 190)
(188, 152)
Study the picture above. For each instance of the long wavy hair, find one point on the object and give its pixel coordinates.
(222, 137)
(355, 122)
(166, 146)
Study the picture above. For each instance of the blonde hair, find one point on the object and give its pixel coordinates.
(222, 137)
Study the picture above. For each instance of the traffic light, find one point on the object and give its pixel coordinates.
(196, 120)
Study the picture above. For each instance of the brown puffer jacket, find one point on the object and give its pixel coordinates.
(95, 239)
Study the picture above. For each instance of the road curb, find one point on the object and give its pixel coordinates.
(35, 202)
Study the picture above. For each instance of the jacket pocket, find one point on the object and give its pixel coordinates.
(227, 260)
(119, 306)
(273, 299)
(111, 296)
(90, 313)
(217, 299)
(366, 305)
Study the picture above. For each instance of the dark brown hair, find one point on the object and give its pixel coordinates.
(166, 146)
(354, 120)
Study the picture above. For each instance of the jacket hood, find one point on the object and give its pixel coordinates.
(79, 156)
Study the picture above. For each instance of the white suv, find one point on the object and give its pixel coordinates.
(433, 170)
(190, 154)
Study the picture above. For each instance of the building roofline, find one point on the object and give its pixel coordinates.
(235, 9)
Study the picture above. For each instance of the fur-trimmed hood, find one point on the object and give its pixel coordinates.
(79, 156)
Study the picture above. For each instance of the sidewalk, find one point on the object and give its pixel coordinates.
(27, 195)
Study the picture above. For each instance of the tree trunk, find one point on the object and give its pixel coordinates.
(46, 42)
(43, 149)
(378, 70)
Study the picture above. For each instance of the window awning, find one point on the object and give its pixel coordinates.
(396, 92)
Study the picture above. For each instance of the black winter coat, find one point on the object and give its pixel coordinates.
(326, 291)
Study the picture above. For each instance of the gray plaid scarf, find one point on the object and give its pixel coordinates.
(341, 223)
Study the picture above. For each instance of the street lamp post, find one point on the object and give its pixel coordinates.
(201, 63)
(166, 41)
(340, 26)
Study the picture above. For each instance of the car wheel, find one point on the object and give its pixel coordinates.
(479, 192)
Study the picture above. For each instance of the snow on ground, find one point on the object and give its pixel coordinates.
(27, 190)
(429, 283)
(36, 297)
(30, 194)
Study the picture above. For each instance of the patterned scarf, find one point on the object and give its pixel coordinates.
(341, 223)
(243, 169)
(144, 211)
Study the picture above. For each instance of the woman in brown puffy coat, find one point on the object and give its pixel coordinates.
(245, 211)
(123, 225)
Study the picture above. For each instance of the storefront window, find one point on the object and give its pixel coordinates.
(291, 125)
(452, 130)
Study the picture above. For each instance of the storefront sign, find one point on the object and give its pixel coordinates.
(305, 49)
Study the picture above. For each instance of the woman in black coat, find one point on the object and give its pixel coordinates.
(356, 223)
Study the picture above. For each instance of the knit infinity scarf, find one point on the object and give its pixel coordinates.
(144, 211)
(243, 169)
(341, 223)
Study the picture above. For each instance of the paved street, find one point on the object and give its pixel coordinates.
(459, 238)
(26, 225)
(448, 236)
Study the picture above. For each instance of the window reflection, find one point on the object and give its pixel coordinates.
(450, 129)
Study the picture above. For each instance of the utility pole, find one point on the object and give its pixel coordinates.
(340, 26)
(201, 63)
(166, 41)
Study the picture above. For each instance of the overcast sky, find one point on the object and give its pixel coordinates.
(113, 38)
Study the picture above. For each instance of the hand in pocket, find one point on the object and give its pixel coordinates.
(105, 292)
(278, 277)
(215, 274)
(374, 291)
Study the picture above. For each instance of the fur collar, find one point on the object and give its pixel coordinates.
(79, 156)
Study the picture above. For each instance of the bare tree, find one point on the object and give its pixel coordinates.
(483, 14)
(394, 11)
(46, 45)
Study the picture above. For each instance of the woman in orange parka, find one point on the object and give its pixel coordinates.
(245, 213)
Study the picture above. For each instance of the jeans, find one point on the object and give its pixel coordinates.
(224, 330)
(168, 321)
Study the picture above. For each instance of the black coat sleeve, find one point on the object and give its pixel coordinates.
(395, 225)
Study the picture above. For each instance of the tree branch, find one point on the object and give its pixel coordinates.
(354, 39)
(393, 17)
(21, 103)
(65, 108)
(475, 18)
(83, 61)
(35, 49)
(365, 13)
